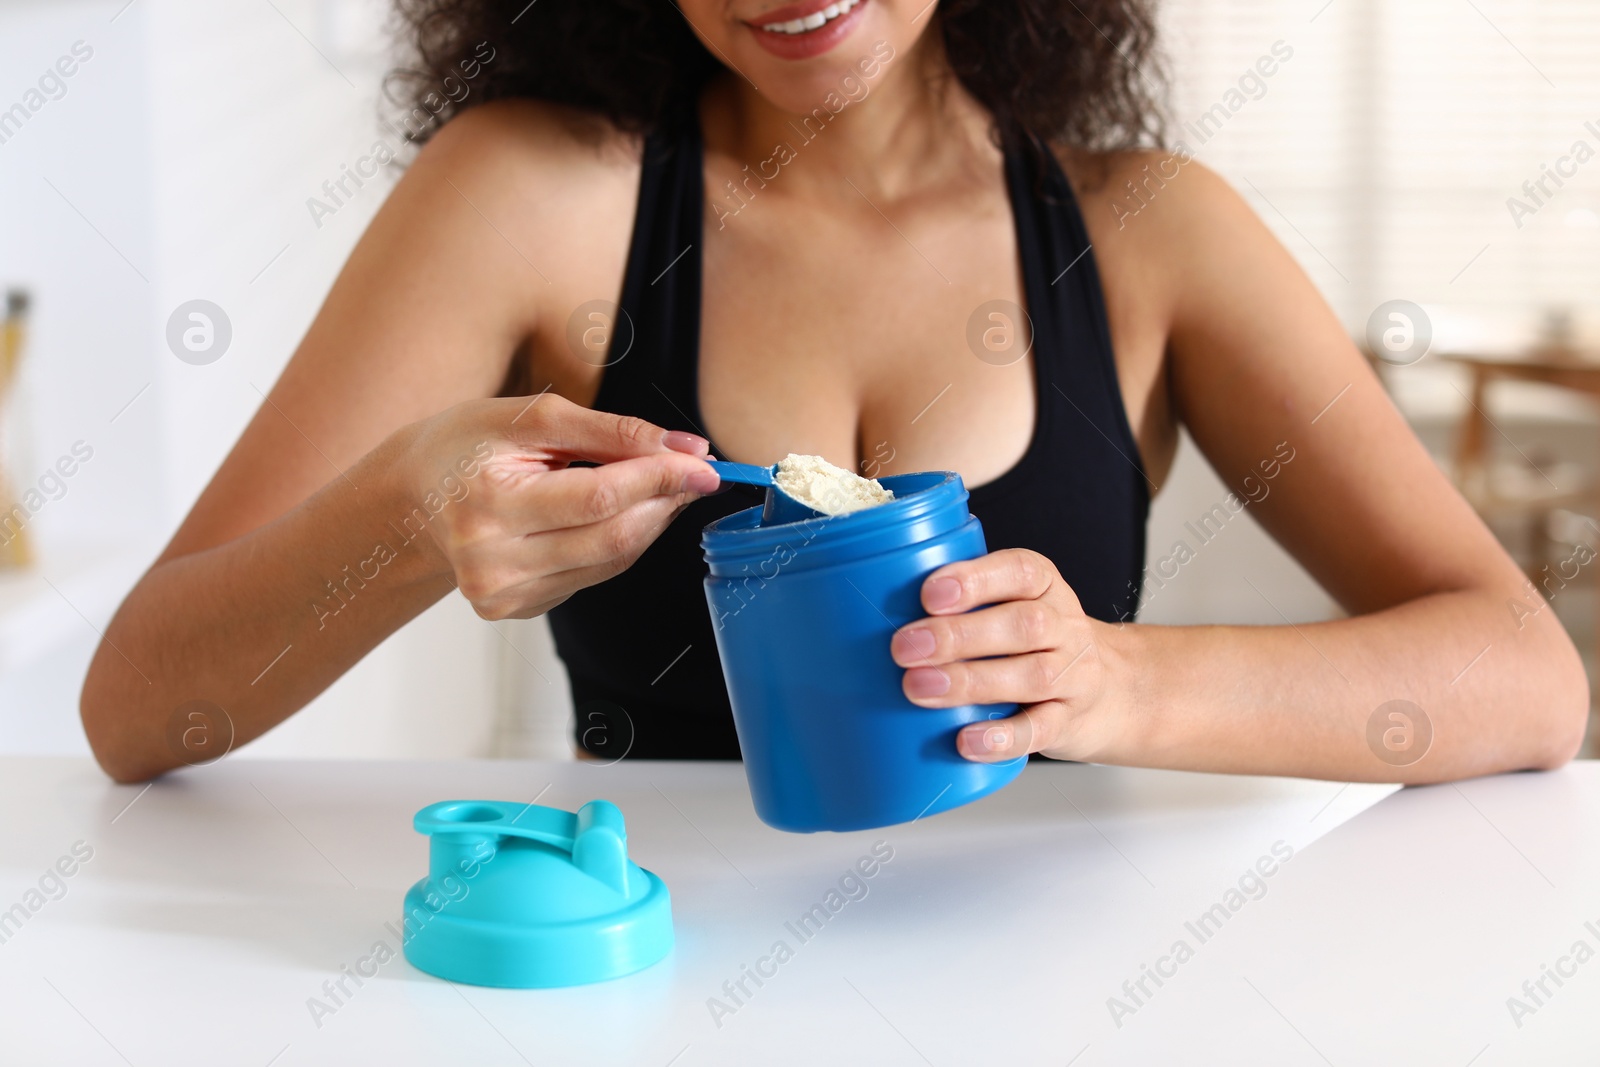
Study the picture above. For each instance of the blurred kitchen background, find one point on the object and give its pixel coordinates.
(175, 162)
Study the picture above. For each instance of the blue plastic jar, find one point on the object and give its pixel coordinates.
(803, 614)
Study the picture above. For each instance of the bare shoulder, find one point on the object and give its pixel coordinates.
(533, 137)
(1155, 220)
(1161, 213)
(1166, 186)
(514, 202)
(550, 172)
(547, 194)
(1175, 240)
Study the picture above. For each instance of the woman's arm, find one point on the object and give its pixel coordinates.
(378, 476)
(1260, 368)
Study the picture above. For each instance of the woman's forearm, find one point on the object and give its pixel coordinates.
(482, 497)
(260, 625)
(1498, 684)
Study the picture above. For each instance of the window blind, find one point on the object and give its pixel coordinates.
(1440, 151)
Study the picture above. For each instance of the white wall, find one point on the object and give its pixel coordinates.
(190, 140)
(75, 190)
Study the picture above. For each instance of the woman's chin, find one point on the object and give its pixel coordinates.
(808, 99)
(841, 79)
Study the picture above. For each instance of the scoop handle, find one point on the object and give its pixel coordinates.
(743, 473)
(779, 507)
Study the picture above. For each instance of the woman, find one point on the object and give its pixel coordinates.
(820, 222)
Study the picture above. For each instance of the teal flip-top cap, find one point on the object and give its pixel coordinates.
(524, 897)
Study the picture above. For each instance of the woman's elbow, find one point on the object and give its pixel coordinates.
(120, 765)
(105, 712)
(1563, 719)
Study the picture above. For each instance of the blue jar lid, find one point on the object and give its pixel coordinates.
(524, 896)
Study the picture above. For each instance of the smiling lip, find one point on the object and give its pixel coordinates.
(808, 43)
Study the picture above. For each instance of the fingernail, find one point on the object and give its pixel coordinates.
(915, 643)
(941, 593)
(927, 682)
(702, 481)
(987, 739)
(693, 444)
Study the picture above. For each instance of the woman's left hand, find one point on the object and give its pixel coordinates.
(1031, 645)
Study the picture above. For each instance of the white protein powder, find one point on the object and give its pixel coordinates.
(823, 487)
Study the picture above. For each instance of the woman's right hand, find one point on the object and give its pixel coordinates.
(520, 528)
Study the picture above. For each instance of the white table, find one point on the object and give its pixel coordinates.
(218, 903)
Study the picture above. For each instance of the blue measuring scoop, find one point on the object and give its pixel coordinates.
(779, 507)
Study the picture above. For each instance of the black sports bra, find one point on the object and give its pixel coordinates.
(639, 649)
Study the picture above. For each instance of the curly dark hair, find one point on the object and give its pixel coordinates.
(1080, 73)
